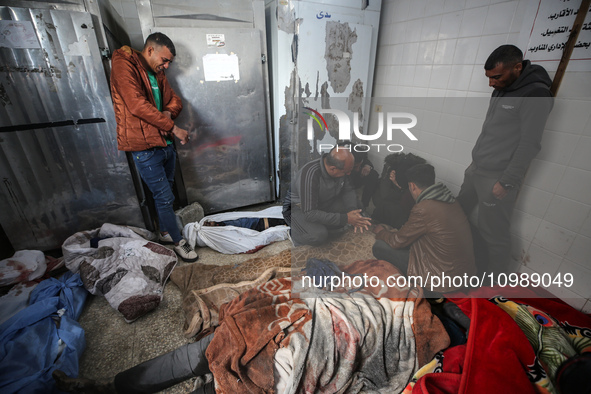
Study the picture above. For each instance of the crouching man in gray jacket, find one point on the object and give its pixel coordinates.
(321, 201)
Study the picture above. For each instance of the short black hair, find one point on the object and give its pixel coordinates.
(422, 175)
(505, 54)
(161, 39)
(400, 162)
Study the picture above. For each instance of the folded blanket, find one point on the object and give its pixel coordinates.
(367, 340)
(121, 264)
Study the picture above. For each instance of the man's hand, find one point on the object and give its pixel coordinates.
(365, 170)
(167, 114)
(181, 134)
(499, 191)
(357, 220)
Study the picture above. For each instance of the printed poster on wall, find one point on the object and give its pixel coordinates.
(551, 27)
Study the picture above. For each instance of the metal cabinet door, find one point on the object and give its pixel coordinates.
(218, 73)
(60, 169)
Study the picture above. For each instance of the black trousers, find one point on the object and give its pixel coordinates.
(166, 370)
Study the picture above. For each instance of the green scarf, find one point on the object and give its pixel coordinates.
(438, 192)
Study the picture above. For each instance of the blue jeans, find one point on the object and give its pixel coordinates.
(156, 167)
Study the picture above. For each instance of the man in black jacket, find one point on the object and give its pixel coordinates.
(509, 141)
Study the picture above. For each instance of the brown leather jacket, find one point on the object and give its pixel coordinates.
(140, 125)
(440, 241)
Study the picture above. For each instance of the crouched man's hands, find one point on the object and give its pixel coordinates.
(358, 221)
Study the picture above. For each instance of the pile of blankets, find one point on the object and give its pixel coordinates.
(272, 339)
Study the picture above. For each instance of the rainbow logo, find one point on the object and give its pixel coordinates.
(316, 115)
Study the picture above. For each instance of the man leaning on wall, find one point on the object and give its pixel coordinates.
(145, 108)
(509, 141)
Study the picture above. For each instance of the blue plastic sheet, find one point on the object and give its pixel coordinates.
(43, 337)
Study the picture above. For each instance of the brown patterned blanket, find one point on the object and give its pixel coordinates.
(206, 287)
(270, 340)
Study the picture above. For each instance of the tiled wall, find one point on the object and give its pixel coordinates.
(437, 48)
(128, 11)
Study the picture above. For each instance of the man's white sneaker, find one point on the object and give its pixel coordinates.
(165, 239)
(186, 252)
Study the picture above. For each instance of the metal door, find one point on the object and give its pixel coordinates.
(60, 168)
(218, 72)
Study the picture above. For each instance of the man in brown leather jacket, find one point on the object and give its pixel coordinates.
(145, 106)
(436, 238)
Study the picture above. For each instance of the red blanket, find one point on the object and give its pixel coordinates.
(500, 356)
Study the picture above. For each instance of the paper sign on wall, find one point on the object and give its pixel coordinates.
(221, 67)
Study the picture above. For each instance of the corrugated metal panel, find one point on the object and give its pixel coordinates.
(59, 165)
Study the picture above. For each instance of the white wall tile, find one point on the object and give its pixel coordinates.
(533, 201)
(434, 7)
(413, 30)
(524, 224)
(454, 103)
(565, 294)
(422, 77)
(460, 76)
(580, 250)
(440, 76)
(409, 54)
(487, 45)
(400, 11)
(553, 238)
(544, 175)
(426, 52)
(407, 75)
(569, 115)
(479, 82)
(450, 25)
(575, 185)
(435, 92)
(473, 22)
(449, 125)
(417, 9)
(462, 152)
(466, 49)
(499, 18)
(397, 33)
(430, 30)
(567, 213)
(587, 307)
(558, 147)
(444, 53)
(586, 227)
(575, 85)
(453, 5)
(429, 121)
(541, 260)
(476, 108)
(455, 174)
(469, 130)
(395, 54)
(581, 277)
(441, 146)
(581, 157)
(518, 17)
